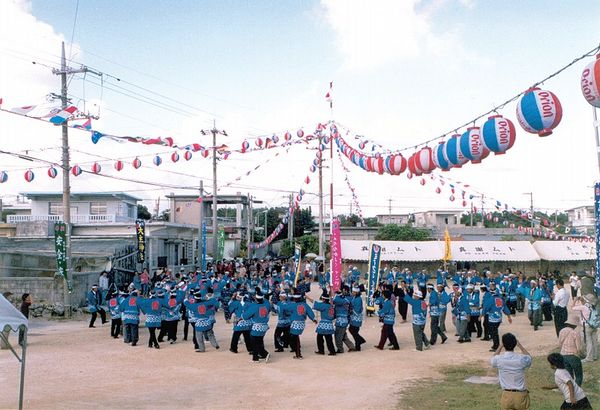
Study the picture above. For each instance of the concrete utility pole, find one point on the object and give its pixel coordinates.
(291, 221)
(214, 199)
(530, 205)
(249, 231)
(321, 236)
(200, 223)
(390, 211)
(66, 168)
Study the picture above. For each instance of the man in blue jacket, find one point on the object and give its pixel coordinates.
(130, 314)
(258, 313)
(341, 303)
(435, 300)
(299, 311)
(325, 328)
(419, 316)
(493, 307)
(94, 300)
(356, 317)
(387, 315)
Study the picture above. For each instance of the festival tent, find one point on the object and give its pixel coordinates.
(13, 320)
(565, 250)
(426, 251)
(484, 251)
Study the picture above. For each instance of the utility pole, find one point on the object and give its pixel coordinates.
(200, 225)
(321, 245)
(249, 230)
(471, 225)
(291, 221)
(66, 168)
(390, 211)
(530, 205)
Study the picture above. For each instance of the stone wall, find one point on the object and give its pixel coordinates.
(50, 290)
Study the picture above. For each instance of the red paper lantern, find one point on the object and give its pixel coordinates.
(258, 142)
(300, 133)
(96, 168)
(307, 180)
(424, 160)
(174, 157)
(438, 190)
(287, 136)
(76, 170)
(119, 165)
(187, 155)
(452, 198)
(157, 160)
(137, 163)
(422, 181)
(590, 82)
(204, 153)
(29, 175)
(52, 172)
(395, 164)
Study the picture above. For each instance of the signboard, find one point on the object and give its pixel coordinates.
(336, 256)
(60, 247)
(140, 233)
(374, 265)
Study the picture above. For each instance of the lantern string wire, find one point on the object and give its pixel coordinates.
(590, 53)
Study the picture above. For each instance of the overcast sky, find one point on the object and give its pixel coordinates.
(403, 72)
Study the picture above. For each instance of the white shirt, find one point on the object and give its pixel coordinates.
(103, 282)
(561, 377)
(511, 370)
(561, 298)
(574, 279)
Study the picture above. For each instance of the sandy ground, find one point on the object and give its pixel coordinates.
(70, 366)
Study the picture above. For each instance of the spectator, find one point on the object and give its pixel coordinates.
(571, 347)
(511, 372)
(560, 301)
(584, 305)
(25, 303)
(574, 396)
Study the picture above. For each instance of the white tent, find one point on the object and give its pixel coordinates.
(483, 251)
(13, 320)
(425, 251)
(565, 250)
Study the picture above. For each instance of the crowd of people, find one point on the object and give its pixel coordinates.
(249, 295)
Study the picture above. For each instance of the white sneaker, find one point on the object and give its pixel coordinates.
(267, 358)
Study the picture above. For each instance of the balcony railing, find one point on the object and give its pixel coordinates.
(75, 219)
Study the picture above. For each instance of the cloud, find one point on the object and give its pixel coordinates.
(372, 34)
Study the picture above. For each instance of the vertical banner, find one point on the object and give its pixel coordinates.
(336, 256)
(374, 264)
(221, 243)
(140, 233)
(597, 215)
(60, 247)
(203, 260)
(297, 262)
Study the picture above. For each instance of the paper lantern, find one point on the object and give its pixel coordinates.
(424, 160)
(488, 217)
(3, 177)
(157, 160)
(119, 165)
(174, 157)
(412, 167)
(258, 142)
(422, 181)
(438, 157)
(187, 155)
(395, 164)
(275, 139)
(438, 190)
(307, 180)
(464, 203)
(52, 172)
(362, 144)
(539, 111)
(287, 136)
(498, 134)
(29, 175)
(76, 170)
(472, 146)
(137, 163)
(496, 219)
(378, 165)
(96, 168)
(520, 228)
(245, 146)
(300, 133)
(451, 198)
(453, 153)
(409, 175)
(370, 164)
(325, 140)
(590, 82)
(312, 168)
(204, 153)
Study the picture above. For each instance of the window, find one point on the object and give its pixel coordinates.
(55, 208)
(98, 208)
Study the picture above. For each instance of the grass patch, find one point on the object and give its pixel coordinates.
(452, 392)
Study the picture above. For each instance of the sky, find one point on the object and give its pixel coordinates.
(403, 72)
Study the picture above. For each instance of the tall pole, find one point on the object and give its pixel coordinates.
(214, 199)
(596, 127)
(321, 247)
(531, 207)
(291, 221)
(200, 223)
(471, 214)
(390, 211)
(66, 197)
(249, 238)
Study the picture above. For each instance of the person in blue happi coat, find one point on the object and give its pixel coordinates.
(475, 311)
(435, 299)
(258, 313)
(152, 307)
(94, 300)
(419, 316)
(443, 300)
(387, 315)
(204, 312)
(493, 307)
(115, 314)
(299, 311)
(341, 302)
(241, 327)
(170, 315)
(282, 330)
(325, 328)
(546, 300)
(356, 317)
(130, 314)
(534, 309)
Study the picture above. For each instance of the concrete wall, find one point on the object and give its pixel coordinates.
(50, 290)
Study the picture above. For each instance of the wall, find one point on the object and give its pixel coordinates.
(50, 290)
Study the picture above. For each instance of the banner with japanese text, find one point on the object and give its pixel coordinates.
(336, 256)
(297, 262)
(60, 247)
(140, 233)
(374, 265)
(597, 214)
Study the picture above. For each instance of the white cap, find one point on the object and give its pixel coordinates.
(417, 293)
(469, 286)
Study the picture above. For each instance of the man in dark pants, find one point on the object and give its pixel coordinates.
(25, 303)
(388, 316)
(282, 330)
(560, 301)
(400, 290)
(94, 300)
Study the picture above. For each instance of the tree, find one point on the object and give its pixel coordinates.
(394, 232)
(165, 215)
(309, 244)
(143, 213)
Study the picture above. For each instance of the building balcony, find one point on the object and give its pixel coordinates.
(75, 219)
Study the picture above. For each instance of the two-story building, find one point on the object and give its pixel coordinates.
(582, 219)
(436, 218)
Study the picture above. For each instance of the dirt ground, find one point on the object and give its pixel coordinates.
(70, 366)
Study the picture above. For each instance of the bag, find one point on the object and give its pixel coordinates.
(594, 319)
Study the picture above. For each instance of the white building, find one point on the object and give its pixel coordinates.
(398, 219)
(582, 219)
(437, 218)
